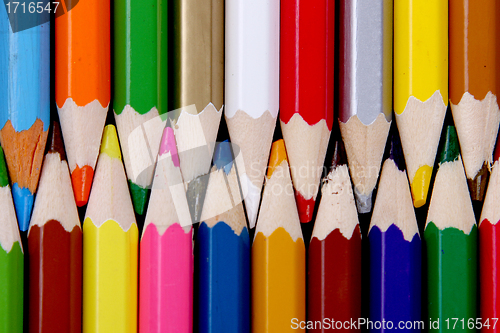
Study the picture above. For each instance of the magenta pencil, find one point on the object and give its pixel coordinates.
(166, 259)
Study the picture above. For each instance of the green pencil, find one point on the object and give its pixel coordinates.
(11, 260)
(136, 90)
(451, 239)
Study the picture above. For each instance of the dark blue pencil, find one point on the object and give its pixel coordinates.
(223, 252)
(395, 248)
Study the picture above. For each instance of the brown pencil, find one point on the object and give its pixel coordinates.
(474, 81)
(55, 248)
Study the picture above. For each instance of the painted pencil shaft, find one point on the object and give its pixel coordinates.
(110, 246)
(451, 238)
(197, 77)
(365, 90)
(334, 258)
(474, 83)
(306, 93)
(136, 91)
(83, 87)
(395, 246)
(198, 52)
(11, 260)
(252, 89)
(166, 262)
(24, 108)
(166, 280)
(489, 235)
(55, 248)
(420, 85)
(278, 253)
(224, 271)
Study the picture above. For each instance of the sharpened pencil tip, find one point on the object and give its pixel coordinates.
(278, 155)
(110, 145)
(56, 142)
(4, 177)
(223, 158)
(305, 207)
(420, 185)
(23, 202)
(168, 145)
(82, 182)
(363, 201)
(139, 196)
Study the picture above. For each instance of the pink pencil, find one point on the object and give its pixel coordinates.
(166, 253)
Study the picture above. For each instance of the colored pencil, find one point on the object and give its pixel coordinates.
(252, 89)
(11, 260)
(451, 240)
(278, 253)
(166, 250)
(395, 245)
(306, 93)
(136, 90)
(110, 246)
(474, 83)
(83, 88)
(223, 252)
(365, 90)
(420, 85)
(24, 108)
(334, 265)
(55, 248)
(489, 259)
(197, 78)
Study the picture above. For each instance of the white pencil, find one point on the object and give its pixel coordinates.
(252, 89)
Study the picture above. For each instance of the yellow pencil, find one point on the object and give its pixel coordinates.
(420, 85)
(110, 243)
(278, 254)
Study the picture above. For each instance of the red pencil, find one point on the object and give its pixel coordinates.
(306, 93)
(55, 248)
(489, 250)
(334, 265)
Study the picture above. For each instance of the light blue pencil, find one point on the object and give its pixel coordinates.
(24, 108)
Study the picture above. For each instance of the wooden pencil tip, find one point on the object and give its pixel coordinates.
(110, 145)
(450, 149)
(278, 155)
(223, 158)
(477, 185)
(396, 150)
(81, 178)
(339, 156)
(420, 185)
(4, 177)
(139, 196)
(168, 145)
(305, 207)
(56, 142)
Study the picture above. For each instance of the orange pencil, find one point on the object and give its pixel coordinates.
(83, 85)
(278, 254)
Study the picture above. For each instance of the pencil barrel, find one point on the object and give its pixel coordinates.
(334, 278)
(451, 276)
(166, 281)
(55, 288)
(395, 274)
(223, 266)
(109, 278)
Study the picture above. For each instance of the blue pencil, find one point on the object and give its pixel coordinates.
(395, 245)
(24, 108)
(223, 252)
